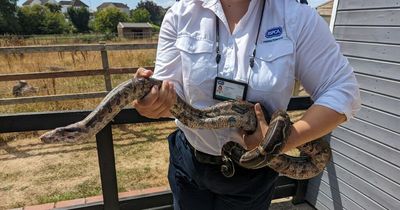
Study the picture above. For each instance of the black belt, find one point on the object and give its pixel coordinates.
(227, 166)
(204, 157)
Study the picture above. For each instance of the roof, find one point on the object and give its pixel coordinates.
(65, 2)
(79, 3)
(115, 4)
(29, 2)
(134, 25)
(75, 3)
(325, 9)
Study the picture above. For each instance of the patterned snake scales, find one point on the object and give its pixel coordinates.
(239, 114)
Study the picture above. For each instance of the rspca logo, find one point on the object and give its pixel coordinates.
(273, 32)
(220, 82)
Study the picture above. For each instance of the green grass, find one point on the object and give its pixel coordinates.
(85, 189)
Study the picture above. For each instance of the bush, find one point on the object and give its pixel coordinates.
(106, 20)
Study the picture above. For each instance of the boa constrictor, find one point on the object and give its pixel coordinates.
(238, 114)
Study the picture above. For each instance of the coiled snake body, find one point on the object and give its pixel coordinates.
(238, 114)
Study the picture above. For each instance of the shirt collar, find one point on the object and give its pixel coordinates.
(209, 3)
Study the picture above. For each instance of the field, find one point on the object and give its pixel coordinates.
(69, 39)
(46, 62)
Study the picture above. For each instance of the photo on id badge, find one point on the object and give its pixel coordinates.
(225, 89)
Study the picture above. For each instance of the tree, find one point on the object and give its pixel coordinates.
(54, 23)
(8, 17)
(140, 15)
(31, 19)
(53, 7)
(156, 12)
(40, 20)
(79, 18)
(106, 20)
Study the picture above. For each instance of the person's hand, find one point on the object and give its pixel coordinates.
(253, 140)
(158, 101)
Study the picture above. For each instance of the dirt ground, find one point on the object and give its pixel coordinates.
(33, 173)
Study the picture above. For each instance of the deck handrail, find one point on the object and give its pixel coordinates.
(104, 140)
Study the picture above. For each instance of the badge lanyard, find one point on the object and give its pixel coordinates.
(226, 89)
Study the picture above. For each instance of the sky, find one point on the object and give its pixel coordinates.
(164, 3)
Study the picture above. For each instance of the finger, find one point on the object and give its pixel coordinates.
(259, 113)
(142, 72)
(162, 96)
(163, 112)
(171, 93)
(242, 133)
(262, 123)
(149, 99)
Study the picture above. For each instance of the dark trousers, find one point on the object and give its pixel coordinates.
(202, 186)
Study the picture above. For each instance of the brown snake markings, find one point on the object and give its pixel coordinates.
(238, 114)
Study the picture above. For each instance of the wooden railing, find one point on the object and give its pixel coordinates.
(53, 39)
(285, 187)
(106, 71)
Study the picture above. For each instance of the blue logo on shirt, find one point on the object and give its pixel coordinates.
(273, 32)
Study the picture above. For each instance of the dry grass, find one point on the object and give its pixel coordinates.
(44, 62)
(32, 172)
(68, 39)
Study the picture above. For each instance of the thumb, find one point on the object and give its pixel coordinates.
(142, 72)
(262, 123)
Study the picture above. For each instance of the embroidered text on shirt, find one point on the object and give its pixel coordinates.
(273, 34)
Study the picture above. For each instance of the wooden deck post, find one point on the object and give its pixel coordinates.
(106, 67)
(108, 174)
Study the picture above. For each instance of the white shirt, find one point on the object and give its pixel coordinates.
(294, 43)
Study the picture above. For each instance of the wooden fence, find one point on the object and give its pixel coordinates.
(106, 71)
(54, 39)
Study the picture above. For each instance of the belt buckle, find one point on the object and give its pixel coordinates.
(200, 158)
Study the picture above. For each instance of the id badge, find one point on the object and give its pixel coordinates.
(225, 89)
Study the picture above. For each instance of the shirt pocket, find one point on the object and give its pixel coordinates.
(198, 59)
(274, 66)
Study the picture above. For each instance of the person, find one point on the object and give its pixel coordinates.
(266, 45)
(219, 89)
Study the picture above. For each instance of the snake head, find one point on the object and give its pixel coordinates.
(71, 133)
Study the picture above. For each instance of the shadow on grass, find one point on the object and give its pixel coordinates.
(17, 151)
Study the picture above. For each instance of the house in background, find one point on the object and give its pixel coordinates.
(325, 10)
(38, 2)
(122, 7)
(73, 3)
(134, 30)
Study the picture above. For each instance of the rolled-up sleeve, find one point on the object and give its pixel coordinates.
(321, 68)
(168, 64)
